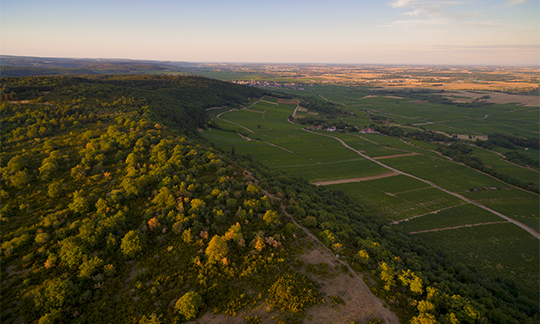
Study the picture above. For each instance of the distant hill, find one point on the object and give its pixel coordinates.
(17, 66)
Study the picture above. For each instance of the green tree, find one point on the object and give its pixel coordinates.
(89, 266)
(152, 319)
(56, 294)
(132, 243)
(80, 203)
(71, 252)
(189, 305)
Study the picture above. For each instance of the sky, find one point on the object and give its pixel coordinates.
(424, 32)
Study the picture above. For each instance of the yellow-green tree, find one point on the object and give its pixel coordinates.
(387, 275)
(409, 279)
(217, 249)
(189, 305)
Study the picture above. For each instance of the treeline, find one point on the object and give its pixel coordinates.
(522, 159)
(507, 141)
(323, 107)
(461, 153)
(339, 124)
(177, 102)
(433, 96)
(396, 131)
(21, 71)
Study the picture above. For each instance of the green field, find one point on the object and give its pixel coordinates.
(447, 174)
(456, 216)
(497, 162)
(515, 203)
(398, 197)
(500, 250)
(284, 146)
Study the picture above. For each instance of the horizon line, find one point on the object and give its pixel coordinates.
(268, 62)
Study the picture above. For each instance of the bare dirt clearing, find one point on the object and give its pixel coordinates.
(339, 181)
(288, 101)
(358, 305)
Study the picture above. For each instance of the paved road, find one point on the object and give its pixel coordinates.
(523, 226)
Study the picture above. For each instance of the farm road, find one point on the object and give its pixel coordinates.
(456, 227)
(378, 176)
(523, 226)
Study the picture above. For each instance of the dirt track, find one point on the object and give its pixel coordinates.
(456, 227)
(377, 176)
(394, 156)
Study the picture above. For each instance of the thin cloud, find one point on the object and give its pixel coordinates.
(489, 47)
(515, 2)
(430, 12)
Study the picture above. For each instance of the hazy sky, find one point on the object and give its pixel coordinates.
(504, 32)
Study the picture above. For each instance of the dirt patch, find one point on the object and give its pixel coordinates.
(288, 101)
(394, 156)
(370, 96)
(358, 306)
(378, 176)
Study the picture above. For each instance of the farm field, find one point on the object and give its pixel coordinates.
(284, 146)
(515, 203)
(500, 250)
(398, 197)
(447, 174)
(281, 145)
(460, 215)
(497, 162)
